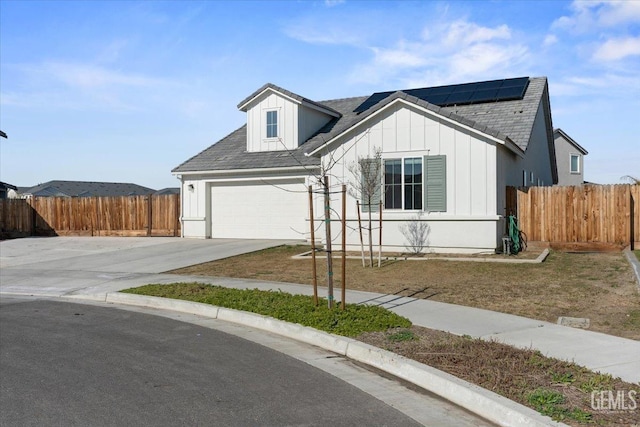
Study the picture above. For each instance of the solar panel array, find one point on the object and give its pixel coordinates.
(462, 94)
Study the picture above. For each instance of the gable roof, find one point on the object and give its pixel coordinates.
(300, 99)
(559, 132)
(7, 186)
(86, 189)
(510, 121)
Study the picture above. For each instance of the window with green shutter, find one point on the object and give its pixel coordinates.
(370, 185)
(435, 183)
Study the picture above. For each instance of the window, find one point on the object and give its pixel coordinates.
(415, 183)
(524, 178)
(272, 124)
(393, 184)
(575, 163)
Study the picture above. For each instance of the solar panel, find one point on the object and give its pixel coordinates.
(462, 94)
(514, 92)
(459, 98)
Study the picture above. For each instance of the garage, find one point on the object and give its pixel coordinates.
(259, 210)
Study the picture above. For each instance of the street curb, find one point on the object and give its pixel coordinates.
(485, 403)
(635, 265)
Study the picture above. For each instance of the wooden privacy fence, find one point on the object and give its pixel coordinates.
(606, 214)
(153, 215)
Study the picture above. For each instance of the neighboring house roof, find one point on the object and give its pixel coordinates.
(510, 121)
(6, 186)
(168, 190)
(86, 189)
(559, 132)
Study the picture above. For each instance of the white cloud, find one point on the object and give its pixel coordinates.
(550, 40)
(587, 15)
(467, 33)
(447, 53)
(332, 3)
(617, 48)
(91, 76)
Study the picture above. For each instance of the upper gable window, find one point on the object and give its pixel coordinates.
(272, 124)
(575, 163)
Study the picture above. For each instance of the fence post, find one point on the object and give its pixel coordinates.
(149, 215)
(632, 226)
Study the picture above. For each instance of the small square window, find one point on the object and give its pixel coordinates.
(272, 124)
(575, 163)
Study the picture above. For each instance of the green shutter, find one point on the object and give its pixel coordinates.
(435, 183)
(375, 179)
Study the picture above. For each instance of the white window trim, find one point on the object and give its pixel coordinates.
(578, 156)
(402, 159)
(278, 124)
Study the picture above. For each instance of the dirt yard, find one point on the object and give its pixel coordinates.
(597, 286)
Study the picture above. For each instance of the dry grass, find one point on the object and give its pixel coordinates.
(514, 373)
(598, 286)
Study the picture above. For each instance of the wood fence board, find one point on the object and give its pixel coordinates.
(92, 216)
(600, 215)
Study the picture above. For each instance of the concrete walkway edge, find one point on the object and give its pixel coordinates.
(635, 265)
(485, 403)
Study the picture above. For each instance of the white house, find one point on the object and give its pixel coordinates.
(570, 159)
(448, 153)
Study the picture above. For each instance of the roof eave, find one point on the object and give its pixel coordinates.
(247, 171)
(296, 99)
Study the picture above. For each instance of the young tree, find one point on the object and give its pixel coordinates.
(367, 188)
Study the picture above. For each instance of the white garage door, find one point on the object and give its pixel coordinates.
(257, 210)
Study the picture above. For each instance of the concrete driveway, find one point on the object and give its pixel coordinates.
(56, 266)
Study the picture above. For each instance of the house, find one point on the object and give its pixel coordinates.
(8, 191)
(85, 189)
(167, 191)
(570, 159)
(447, 153)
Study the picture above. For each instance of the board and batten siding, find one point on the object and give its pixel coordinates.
(469, 223)
(287, 123)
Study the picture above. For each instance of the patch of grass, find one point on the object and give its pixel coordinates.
(403, 335)
(354, 320)
(637, 252)
(597, 382)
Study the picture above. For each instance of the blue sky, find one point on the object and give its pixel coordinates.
(125, 91)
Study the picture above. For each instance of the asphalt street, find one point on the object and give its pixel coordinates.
(71, 364)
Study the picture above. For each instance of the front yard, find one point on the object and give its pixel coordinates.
(597, 286)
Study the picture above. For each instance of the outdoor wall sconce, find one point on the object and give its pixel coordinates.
(190, 187)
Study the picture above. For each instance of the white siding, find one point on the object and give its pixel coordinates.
(287, 123)
(195, 208)
(309, 122)
(470, 222)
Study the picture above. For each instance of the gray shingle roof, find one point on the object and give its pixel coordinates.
(287, 93)
(87, 189)
(559, 132)
(505, 120)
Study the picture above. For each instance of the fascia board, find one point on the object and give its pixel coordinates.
(269, 89)
(248, 171)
